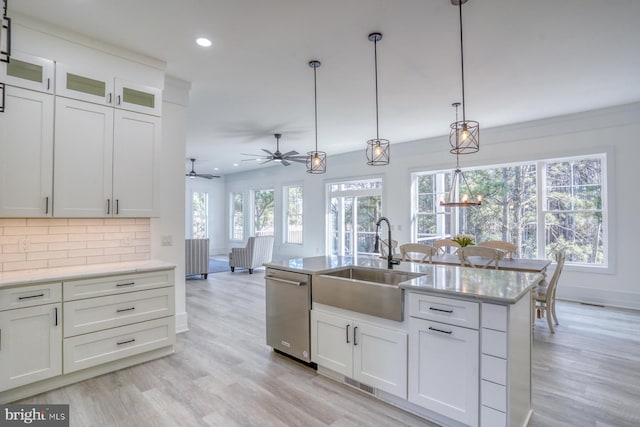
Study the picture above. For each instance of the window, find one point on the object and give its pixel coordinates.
(539, 206)
(354, 208)
(199, 215)
(263, 205)
(293, 214)
(237, 216)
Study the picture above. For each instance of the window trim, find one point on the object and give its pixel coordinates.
(231, 215)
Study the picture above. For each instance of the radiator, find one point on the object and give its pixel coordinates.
(196, 256)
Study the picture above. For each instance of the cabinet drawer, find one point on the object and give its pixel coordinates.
(29, 296)
(446, 310)
(109, 285)
(489, 417)
(493, 395)
(493, 369)
(494, 317)
(95, 314)
(494, 343)
(88, 350)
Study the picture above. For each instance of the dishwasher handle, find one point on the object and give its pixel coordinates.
(288, 282)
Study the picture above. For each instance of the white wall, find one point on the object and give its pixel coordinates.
(612, 130)
(216, 225)
(167, 231)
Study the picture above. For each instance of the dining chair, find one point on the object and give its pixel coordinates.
(480, 256)
(443, 245)
(417, 252)
(508, 248)
(545, 296)
(384, 247)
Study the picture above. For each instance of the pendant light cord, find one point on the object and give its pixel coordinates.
(375, 59)
(315, 102)
(462, 60)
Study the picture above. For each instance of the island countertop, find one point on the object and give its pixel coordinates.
(497, 286)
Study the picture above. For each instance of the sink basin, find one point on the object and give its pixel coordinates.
(365, 290)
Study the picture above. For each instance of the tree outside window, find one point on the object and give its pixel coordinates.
(539, 206)
(293, 214)
(263, 204)
(237, 216)
(199, 215)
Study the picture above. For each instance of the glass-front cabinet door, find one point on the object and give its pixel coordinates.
(28, 71)
(84, 85)
(137, 97)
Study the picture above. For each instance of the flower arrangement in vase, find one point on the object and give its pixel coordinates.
(464, 239)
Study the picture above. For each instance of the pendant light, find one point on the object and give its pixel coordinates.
(377, 149)
(464, 136)
(316, 160)
(458, 183)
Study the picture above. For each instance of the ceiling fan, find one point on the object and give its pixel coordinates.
(277, 156)
(193, 173)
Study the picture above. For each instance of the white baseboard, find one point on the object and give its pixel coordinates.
(181, 323)
(605, 297)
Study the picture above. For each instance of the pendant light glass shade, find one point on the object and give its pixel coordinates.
(464, 135)
(377, 149)
(459, 194)
(316, 160)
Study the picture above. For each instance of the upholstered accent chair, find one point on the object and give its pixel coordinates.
(259, 249)
(196, 257)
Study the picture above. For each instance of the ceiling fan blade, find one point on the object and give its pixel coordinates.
(290, 153)
(268, 152)
(284, 162)
(293, 159)
(257, 159)
(269, 160)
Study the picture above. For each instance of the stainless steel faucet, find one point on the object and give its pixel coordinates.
(376, 248)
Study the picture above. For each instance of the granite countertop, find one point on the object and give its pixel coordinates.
(499, 286)
(44, 275)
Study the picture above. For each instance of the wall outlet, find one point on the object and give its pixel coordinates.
(24, 245)
(166, 241)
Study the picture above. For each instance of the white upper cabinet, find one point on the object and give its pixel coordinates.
(105, 161)
(102, 88)
(137, 97)
(90, 86)
(135, 144)
(26, 154)
(83, 159)
(29, 72)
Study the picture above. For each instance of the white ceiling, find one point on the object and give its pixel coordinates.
(524, 59)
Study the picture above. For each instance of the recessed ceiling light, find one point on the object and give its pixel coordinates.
(216, 169)
(236, 165)
(204, 42)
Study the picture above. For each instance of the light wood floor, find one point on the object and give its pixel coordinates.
(223, 374)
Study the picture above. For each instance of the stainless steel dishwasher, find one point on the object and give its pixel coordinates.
(288, 305)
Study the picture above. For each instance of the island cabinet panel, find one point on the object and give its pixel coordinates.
(446, 310)
(444, 369)
(370, 354)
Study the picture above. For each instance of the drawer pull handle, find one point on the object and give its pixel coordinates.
(120, 310)
(31, 296)
(56, 311)
(440, 330)
(287, 282)
(347, 330)
(126, 284)
(126, 341)
(355, 329)
(441, 310)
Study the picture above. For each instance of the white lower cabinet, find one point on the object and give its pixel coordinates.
(86, 326)
(371, 354)
(443, 369)
(30, 345)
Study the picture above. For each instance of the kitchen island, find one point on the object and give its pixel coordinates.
(458, 354)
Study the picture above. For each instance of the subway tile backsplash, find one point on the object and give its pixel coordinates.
(31, 243)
